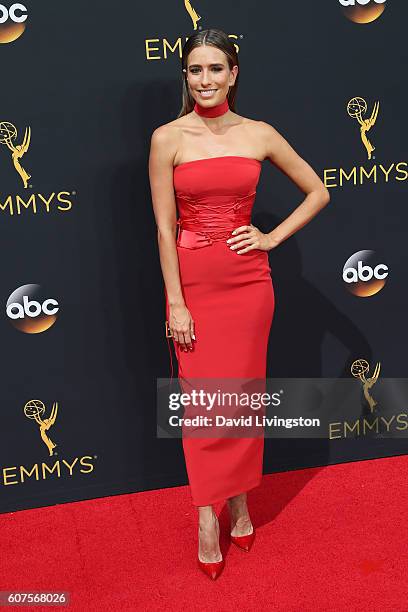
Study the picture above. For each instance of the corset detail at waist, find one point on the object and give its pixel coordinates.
(213, 221)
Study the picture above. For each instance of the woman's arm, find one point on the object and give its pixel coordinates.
(164, 206)
(279, 151)
(162, 153)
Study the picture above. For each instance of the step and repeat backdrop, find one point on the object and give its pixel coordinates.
(82, 326)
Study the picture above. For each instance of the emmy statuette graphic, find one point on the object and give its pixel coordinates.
(8, 133)
(356, 108)
(192, 12)
(358, 369)
(34, 409)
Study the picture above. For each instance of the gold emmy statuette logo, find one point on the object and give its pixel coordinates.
(356, 108)
(34, 409)
(193, 14)
(8, 133)
(358, 369)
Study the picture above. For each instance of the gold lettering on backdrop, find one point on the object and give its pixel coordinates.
(41, 471)
(35, 409)
(70, 467)
(23, 472)
(46, 469)
(31, 201)
(6, 476)
(338, 177)
(365, 425)
(153, 51)
(47, 202)
(364, 173)
(385, 171)
(8, 133)
(351, 428)
(85, 464)
(333, 428)
(9, 203)
(370, 426)
(60, 199)
(149, 49)
(352, 174)
(35, 203)
(404, 172)
(404, 422)
(377, 425)
(388, 423)
(166, 45)
(327, 177)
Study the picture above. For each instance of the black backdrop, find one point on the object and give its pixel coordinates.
(92, 81)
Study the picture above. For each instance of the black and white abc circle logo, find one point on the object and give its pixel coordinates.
(30, 310)
(362, 11)
(12, 21)
(364, 274)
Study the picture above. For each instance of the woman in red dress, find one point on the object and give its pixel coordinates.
(219, 295)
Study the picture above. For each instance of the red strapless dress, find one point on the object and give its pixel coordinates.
(231, 300)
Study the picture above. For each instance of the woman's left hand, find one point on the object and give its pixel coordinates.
(248, 237)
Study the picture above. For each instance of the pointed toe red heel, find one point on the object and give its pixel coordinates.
(212, 570)
(245, 542)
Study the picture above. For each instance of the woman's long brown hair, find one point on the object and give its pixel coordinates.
(215, 38)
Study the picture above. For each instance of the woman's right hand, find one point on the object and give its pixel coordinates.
(181, 325)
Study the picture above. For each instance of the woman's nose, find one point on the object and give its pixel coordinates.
(205, 79)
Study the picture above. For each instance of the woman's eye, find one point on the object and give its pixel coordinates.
(195, 70)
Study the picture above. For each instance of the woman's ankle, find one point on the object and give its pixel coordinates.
(207, 516)
(237, 501)
(208, 537)
(238, 507)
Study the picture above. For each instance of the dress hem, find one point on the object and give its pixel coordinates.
(223, 499)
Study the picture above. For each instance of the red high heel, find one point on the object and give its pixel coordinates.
(245, 542)
(212, 570)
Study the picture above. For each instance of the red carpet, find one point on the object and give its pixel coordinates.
(328, 539)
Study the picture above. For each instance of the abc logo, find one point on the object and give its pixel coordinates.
(12, 22)
(29, 312)
(363, 275)
(363, 2)
(362, 11)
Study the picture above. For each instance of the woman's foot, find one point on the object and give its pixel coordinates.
(208, 536)
(241, 524)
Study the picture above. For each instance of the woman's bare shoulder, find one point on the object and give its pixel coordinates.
(262, 128)
(172, 127)
(169, 134)
(257, 128)
(268, 135)
(165, 133)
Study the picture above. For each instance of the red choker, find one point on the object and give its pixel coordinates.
(212, 111)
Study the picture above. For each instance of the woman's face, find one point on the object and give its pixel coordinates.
(208, 75)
